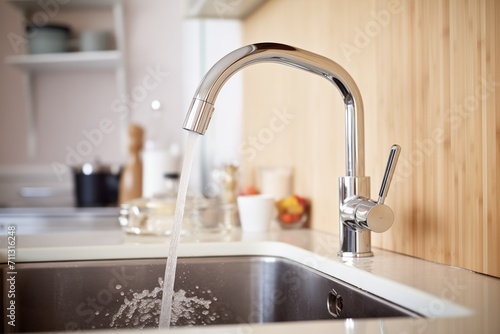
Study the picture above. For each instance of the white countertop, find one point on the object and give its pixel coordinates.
(452, 299)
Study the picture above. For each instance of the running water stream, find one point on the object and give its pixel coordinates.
(168, 287)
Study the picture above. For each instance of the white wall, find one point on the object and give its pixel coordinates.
(13, 125)
(154, 41)
(70, 103)
(207, 41)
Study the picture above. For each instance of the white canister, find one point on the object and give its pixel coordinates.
(276, 181)
(156, 162)
(92, 40)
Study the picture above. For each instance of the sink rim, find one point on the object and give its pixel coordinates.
(355, 272)
(282, 264)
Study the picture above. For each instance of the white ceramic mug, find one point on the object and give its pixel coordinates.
(256, 212)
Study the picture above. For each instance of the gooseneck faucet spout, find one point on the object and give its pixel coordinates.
(202, 106)
(354, 232)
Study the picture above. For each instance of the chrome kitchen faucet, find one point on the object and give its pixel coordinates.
(358, 213)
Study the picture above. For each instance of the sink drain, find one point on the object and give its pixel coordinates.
(334, 303)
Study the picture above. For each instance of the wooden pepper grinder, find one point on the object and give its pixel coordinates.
(131, 179)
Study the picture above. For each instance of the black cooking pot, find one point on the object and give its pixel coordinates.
(96, 185)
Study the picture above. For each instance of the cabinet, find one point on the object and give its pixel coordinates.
(31, 64)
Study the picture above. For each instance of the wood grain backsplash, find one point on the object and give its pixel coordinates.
(429, 74)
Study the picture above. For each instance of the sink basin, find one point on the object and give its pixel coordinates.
(67, 296)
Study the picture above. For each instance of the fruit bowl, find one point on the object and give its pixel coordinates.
(293, 225)
(293, 212)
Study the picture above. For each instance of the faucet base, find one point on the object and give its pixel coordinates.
(354, 242)
(351, 255)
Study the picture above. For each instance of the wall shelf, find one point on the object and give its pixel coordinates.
(97, 60)
(31, 64)
(35, 4)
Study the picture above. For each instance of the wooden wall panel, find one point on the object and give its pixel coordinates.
(430, 80)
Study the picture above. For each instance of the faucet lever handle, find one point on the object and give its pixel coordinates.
(389, 172)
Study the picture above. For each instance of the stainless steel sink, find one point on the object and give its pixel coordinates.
(67, 296)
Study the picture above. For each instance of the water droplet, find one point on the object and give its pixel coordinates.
(197, 287)
(96, 312)
(118, 287)
(215, 298)
(122, 293)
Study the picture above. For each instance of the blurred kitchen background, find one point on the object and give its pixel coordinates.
(54, 108)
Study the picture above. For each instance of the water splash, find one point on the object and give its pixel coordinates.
(142, 309)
